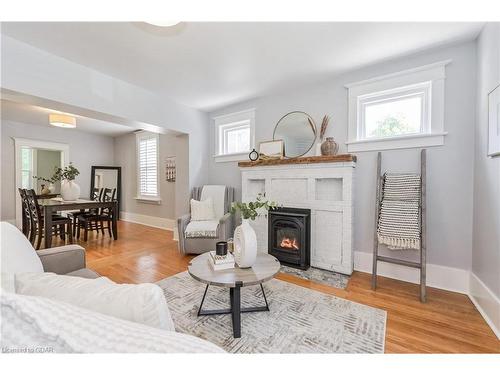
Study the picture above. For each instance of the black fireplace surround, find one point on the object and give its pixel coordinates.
(289, 237)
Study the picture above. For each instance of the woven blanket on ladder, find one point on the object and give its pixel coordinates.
(399, 219)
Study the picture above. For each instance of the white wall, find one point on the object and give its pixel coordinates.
(450, 167)
(486, 233)
(79, 145)
(125, 157)
(37, 73)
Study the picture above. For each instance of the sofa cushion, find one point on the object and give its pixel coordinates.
(84, 272)
(141, 303)
(202, 210)
(202, 228)
(18, 255)
(36, 322)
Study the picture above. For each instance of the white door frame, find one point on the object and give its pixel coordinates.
(38, 144)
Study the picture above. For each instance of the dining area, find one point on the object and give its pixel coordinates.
(61, 214)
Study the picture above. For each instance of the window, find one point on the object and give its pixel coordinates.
(26, 168)
(147, 166)
(234, 135)
(401, 110)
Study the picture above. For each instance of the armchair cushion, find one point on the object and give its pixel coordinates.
(62, 259)
(18, 255)
(141, 303)
(218, 195)
(202, 210)
(204, 228)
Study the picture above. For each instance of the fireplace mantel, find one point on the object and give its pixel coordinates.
(324, 187)
(303, 160)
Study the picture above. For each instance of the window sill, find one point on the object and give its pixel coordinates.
(149, 200)
(409, 141)
(239, 156)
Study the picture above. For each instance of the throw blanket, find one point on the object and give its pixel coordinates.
(399, 219)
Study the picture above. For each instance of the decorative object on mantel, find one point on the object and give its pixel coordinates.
(494, 122)
(298, 132)
(70, 190)
(271, 150)
(342, 158)
(328, 147)
(245, 239)
(170, 169)
(253, 155)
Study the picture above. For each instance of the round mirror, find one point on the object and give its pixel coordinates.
(298, 132)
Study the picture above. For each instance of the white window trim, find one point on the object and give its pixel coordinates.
(434, 73)
(248, 114)
(147, 198)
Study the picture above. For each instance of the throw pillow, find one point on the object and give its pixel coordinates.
(141, 303)
(202, 210)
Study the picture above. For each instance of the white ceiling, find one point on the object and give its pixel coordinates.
(29, 114)
(210, 65)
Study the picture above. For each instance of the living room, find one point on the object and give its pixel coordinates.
(317, 190)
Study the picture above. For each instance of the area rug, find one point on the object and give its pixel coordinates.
(337, 280)
(300, 321)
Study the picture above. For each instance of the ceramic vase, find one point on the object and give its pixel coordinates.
(44, 190)
(70, 191)
(329, 147)
(245, 245)
(51, 188)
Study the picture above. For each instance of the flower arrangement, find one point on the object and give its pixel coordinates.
(69, 173)
(251, 210)
(324, 126)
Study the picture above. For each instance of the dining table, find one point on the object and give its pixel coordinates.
(57, 204)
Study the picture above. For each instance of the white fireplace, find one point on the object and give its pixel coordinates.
(323, 187)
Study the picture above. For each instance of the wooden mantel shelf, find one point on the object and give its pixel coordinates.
(304, 160)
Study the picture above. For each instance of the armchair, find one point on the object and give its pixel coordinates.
(222, 197)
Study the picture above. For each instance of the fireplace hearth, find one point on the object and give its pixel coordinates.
(290, 236)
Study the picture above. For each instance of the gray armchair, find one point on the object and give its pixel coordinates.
(66, 260)
(225, 227)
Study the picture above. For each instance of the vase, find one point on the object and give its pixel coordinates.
(70, 191)
(51, 188)
(329, 147)
(245, 245)
(44, 190)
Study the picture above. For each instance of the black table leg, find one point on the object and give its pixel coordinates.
(114, 218)
(235, 297)
(47, 222)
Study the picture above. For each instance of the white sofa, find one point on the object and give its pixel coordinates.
(31, 321)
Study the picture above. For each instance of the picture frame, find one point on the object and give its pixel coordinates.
(271, 149)
(494, 122)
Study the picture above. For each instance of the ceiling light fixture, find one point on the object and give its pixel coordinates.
(62, 121)
(164, 23)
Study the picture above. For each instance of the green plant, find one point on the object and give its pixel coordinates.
(253, 209)
(68, 173)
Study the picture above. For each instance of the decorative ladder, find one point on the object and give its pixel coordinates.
(376, 258)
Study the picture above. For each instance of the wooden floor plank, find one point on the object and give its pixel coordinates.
(447, 323)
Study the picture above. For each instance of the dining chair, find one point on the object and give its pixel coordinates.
(94, 221)
(60, 225)
(96, 196)
(25, 212)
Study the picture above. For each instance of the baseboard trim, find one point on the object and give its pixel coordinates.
(486, 302)
(150, 221)
(447, 278)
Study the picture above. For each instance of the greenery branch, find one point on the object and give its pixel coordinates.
(68, 173)
(252, 210)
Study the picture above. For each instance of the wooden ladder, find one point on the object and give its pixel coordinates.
(421, 265)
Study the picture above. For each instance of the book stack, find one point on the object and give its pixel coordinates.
(219, 262)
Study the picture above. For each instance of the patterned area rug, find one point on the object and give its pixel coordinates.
(300, 321)
(337, 280)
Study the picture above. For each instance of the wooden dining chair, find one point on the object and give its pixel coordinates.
(95, 221)
(25, 212)
(60, 225)
(73, 215)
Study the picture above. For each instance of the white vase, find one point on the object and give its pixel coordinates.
(245, 245)
(52, 188)
(70, 191)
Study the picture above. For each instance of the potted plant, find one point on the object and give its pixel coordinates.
(245, 239)
(70, 191)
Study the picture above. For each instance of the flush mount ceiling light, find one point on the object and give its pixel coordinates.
(62, 121)
(163, 23)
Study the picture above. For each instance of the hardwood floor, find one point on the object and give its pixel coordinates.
(447, 323)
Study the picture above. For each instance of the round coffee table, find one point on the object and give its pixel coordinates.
(265, 268)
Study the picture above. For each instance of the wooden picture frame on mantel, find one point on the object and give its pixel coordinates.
(271, 149)
(494, 122)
